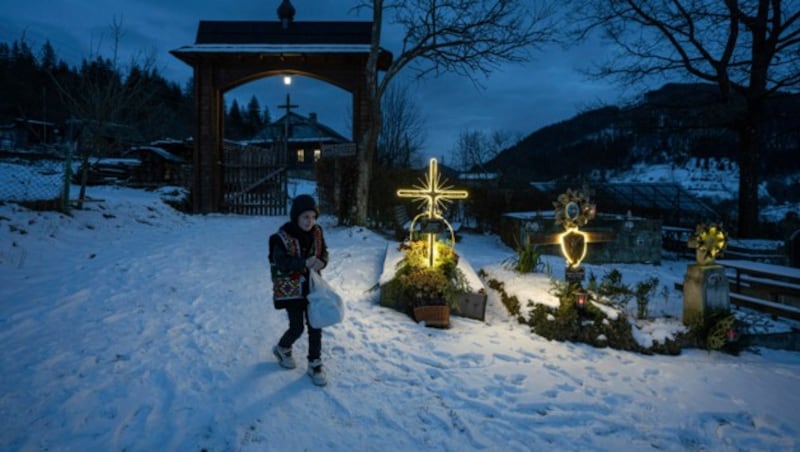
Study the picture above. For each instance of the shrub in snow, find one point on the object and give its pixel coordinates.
(591, 325)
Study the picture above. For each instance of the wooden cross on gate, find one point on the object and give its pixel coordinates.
(288, 106)
(433, 193)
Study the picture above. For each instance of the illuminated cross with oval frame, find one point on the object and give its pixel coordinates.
(573, 210)
(433, 193)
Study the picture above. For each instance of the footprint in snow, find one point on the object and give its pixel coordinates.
(507, 358)
(552, 393)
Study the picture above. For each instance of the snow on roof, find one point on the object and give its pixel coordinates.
(273, 48)
(166, 155)
(35, 121)
(256, 141)
(303, 129)
(478, 176)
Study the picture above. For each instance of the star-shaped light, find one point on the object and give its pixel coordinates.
(433, 193)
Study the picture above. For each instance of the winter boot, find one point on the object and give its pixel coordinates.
(284, 356)
(317, 373)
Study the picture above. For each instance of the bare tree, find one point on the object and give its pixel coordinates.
(402, 131)
(466, 37)
(749, 48)
(469, 148)
(475, 148)
(102, 99)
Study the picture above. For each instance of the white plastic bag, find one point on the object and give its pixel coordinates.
(325, 306)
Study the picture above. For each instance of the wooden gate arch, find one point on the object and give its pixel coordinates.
(227, 54)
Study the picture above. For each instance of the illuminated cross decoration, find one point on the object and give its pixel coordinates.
(572, 210)
(433, 193)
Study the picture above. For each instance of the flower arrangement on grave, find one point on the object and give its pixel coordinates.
(573, 209)
(428, 279)
(419, 284)
(718, 330)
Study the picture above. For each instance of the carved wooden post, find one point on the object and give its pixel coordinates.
(207, 180)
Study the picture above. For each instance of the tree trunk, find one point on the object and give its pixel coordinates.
(366, 147)
(366, 157)
(84, 181)
(750, 129)
(749, 169)
(359, 215)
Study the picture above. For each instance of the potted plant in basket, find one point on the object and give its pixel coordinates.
(429, 293)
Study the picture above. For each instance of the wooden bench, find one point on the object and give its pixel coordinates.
(765, 287)
(760, 304)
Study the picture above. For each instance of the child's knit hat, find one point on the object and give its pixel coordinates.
(301, 204)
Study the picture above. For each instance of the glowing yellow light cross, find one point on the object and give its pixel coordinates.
(434, 194)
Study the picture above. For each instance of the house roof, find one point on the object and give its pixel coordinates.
(301, 129)
(34, 122)
(161, 152)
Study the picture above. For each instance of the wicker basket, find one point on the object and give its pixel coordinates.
(436, 316)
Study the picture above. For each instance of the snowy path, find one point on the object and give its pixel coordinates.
(155, 335)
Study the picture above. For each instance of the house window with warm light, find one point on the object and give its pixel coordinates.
(317, 154)
(301, 156)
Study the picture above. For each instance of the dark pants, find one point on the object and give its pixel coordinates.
(297, 318)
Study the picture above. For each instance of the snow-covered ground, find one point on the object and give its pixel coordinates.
(129, 326)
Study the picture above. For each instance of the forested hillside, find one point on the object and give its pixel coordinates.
(671, 124)
(38, 85)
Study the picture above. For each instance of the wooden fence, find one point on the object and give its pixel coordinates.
(255, 182)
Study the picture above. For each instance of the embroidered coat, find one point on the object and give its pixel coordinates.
(287, 257)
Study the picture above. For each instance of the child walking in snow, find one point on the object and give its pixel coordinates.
(295, 250)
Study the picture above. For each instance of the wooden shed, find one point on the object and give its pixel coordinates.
(160, 167)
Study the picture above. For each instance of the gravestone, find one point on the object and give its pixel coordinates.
(616, 239)
(471, 305)
(705, 289)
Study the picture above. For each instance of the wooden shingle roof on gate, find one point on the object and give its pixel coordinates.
(271, 37)
(264, 32)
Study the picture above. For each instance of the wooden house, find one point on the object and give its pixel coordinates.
(24, 133)
(307, 138)
(158, 166)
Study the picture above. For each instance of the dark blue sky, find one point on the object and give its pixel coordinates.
(517, 98)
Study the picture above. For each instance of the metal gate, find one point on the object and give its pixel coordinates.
(255, 182)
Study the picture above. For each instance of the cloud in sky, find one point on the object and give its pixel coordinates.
(519, 97)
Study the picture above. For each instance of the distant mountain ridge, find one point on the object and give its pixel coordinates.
(672, 124)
